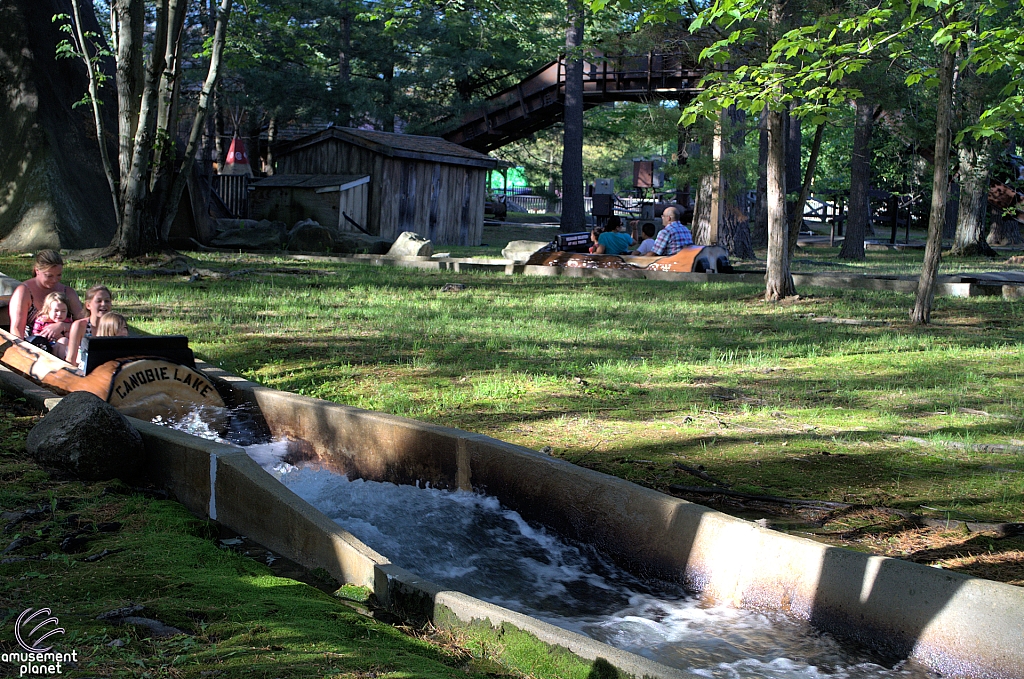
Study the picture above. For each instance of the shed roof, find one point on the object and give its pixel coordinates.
(415, 147)
(310, 181)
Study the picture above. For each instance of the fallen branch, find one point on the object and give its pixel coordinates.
(704, 490)
(847, 321)
(106, 552)
(701, 474)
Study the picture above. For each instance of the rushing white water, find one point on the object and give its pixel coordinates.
(469, 543)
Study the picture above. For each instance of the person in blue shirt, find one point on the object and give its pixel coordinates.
(614, 240)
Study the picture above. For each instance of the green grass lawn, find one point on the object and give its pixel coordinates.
(629, 377)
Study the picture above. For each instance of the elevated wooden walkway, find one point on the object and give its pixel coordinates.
(537, 101)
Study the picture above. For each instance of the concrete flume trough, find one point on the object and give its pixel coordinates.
(958, 625)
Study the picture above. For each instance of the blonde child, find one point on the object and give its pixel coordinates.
(112, 325)
(98, 301)
(54, 312)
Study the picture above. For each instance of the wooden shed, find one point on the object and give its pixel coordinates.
(336, 200)
(422, 184)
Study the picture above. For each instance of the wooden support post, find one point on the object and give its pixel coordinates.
(894, 214)
(832, 231)
(907, 241)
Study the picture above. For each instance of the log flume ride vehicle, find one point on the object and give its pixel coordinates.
(143, 377)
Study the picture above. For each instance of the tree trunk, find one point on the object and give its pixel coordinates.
(161, 171)
(922, 311)
(796, 223)
(734, 235)
(952, 210)
(794, 151)
(702, 209)
(759, 228)
(271, 140)
(969, 239)
(345, 68)
(212, 74)
(860, 179)
(388, 107)
(219, 134)
(778, 280)
(1005, 230)
(129, 17)
(97, 114)
(682, 136)
(137, 232)
(573, 217)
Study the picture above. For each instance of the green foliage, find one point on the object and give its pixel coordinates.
(418, 61)
(95, 52)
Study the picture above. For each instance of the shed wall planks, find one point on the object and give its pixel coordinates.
(443, 202)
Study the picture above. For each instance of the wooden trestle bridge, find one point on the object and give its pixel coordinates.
(537, 101)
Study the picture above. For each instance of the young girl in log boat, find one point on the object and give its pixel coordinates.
(112, 325)
(54, 312)
(98, 301)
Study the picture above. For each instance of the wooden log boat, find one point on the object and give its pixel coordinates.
(693, 259)
(144, 377)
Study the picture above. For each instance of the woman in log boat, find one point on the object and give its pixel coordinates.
(27, 300)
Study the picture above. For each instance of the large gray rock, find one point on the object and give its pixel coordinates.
(411, 244)
(85, 437)
(520, 250)
(351, 243)
(309, 236)
(248, 234)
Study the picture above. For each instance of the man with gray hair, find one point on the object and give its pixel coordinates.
(674, 237)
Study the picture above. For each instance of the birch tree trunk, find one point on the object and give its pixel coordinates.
(778, 279)
(922, 311)
(129, 239)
